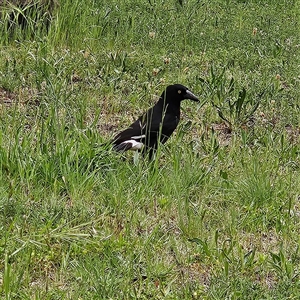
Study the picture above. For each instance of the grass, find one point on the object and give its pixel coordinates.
(215, 216)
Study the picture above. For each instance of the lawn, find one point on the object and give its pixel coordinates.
(216, 214)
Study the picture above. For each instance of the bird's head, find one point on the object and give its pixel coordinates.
(177, 93)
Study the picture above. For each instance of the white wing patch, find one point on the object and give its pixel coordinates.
(136, 137)
(134, 144)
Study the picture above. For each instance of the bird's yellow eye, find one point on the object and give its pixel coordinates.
(179, 91)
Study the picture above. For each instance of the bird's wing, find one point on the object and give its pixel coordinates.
(146, 131)
(135, 130)
(130, 138)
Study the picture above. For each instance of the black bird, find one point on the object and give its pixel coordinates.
(156, 125)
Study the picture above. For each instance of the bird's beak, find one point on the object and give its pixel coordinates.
(191, 96)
